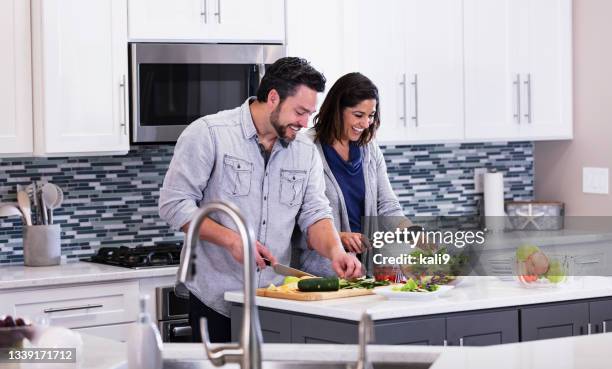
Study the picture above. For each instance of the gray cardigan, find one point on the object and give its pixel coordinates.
(379, 200)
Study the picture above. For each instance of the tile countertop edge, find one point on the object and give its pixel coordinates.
(19, 276)
(476, 295)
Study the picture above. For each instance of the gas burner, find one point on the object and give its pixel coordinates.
(160, 255)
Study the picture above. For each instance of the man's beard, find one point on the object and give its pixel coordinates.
(281, 130)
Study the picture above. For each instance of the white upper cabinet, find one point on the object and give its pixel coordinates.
(433, 69)
(207, 20)
(452, 70)
(518, 79)
(326, 48)
(379, 50)
(492, 69)
(547, 75)
(163, 19)
(15, 74)
(80, 73)
(412, 50)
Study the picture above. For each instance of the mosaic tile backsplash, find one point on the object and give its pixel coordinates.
(112, 200)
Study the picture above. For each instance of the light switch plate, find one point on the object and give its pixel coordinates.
(595, 180)
(479, 179)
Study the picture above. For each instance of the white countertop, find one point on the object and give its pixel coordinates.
(474, 293)
(563, 353)
(19, 276)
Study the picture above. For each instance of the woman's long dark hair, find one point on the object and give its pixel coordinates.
(348, 91)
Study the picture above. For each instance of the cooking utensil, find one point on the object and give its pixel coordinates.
(23, 201)
(286, 270)
(52, 197)
(32, 191)
(10, 210)
(42, 209)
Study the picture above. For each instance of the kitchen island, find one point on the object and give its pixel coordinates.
(479, 311)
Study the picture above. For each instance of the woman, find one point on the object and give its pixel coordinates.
(356, 178)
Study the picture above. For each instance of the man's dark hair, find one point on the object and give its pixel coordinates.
(286, 74)
(348, 91)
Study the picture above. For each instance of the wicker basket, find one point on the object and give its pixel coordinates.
(535, 215)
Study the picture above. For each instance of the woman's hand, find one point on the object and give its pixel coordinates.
(352, 242)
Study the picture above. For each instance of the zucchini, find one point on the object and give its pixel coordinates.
(319, 284)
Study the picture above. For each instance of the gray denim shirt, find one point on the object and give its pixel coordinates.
(217, 158)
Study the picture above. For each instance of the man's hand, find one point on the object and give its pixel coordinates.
(230, 240)
(262, 251)
(346, 265)
(352, 242)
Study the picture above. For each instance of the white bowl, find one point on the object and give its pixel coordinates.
(388, 292)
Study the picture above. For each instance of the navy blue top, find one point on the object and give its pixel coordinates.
(349, 175)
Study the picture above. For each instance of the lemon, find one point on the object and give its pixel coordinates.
(290, 279)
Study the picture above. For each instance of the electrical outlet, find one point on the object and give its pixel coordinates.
(595, 180)
(479, 179)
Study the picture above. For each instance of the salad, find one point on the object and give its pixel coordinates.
(421, 285)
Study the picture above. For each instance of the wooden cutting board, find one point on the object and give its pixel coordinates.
(314, 296)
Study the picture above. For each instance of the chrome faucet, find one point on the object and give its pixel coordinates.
(366, 335)
(248, 352)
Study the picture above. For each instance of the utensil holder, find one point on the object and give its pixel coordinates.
(42, 245)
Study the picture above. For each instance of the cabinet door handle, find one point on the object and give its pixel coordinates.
(593, 261)
(603, 325)
(461, 341)
(528, 86)
(204, 11)
(69, 308)
(403, 84)
(181, 331)
(123, 87)
(415, 117)
(218, 13)
(517, 86)
(589, 329)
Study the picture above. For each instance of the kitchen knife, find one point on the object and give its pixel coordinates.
(286, 270)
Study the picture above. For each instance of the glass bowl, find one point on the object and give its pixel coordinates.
(547, 270)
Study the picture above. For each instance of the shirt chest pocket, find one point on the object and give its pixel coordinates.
(292, 187)
(237, 175)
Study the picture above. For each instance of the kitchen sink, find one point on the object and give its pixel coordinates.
(205, 364)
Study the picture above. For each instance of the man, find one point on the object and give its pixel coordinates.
(253, 157)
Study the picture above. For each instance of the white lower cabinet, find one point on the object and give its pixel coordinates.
(100, 309)
(117, 332)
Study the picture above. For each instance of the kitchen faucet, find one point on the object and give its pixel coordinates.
(366, 335)
(248, 352)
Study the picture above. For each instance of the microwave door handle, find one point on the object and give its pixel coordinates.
(262, 71)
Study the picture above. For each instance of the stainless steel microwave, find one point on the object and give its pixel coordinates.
(173, 84)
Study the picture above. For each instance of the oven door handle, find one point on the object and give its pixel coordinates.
(181, 331)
